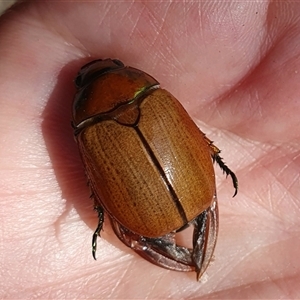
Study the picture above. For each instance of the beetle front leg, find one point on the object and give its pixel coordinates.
(215, 154)
(100, 211)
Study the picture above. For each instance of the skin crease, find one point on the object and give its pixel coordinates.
(234, 66)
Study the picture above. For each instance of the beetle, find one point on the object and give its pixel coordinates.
(149, 167)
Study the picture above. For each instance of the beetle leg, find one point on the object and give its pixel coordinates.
(205, 237)
(161, 251)
(164, 252)
(100, 211)
(215, 151)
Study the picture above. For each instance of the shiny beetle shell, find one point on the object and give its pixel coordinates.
(148, 165)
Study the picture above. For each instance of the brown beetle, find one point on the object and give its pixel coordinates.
(148, 165)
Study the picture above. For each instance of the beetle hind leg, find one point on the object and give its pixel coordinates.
(164, 252)
(206, 227)
(161, 251)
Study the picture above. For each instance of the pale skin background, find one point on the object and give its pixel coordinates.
(235, 66)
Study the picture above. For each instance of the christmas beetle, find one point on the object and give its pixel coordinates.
(148, 165)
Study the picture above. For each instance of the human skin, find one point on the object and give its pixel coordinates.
(235, 66)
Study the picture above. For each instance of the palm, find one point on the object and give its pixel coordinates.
(234, 66)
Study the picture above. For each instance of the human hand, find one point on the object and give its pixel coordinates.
(233, 65)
